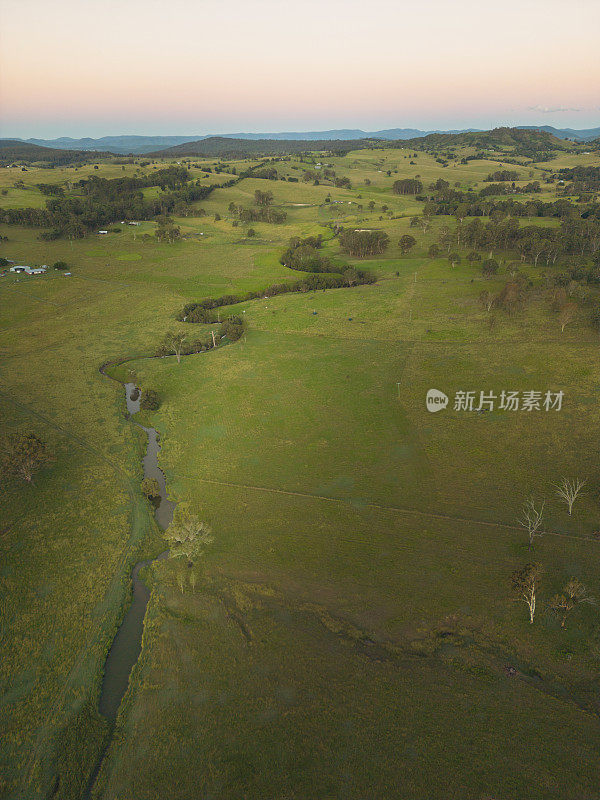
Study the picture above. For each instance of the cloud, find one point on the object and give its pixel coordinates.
(556, 110)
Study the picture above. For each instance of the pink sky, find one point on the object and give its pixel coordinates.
(201, 66)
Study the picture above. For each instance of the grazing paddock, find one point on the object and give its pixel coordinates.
(352, 630)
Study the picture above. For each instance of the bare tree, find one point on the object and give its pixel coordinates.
(567, 315)
(573, 594)
(569, 490)
(531, 519)
(525, 582)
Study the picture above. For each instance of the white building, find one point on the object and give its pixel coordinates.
(29, 270)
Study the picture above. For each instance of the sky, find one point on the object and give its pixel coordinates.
(88, 68)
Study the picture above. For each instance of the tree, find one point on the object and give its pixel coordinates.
(454, 259)
(525, 582)
(371, 205)
(23, 454)
(150, 488)
(407, 242)
(433, 251)
(569, 490)
(173, 342)
(263, 198)
(567, 314)
(489, 268)
(487, 299)
(188, 537)
(573, 594)
(60, 265)
(425, 219)
(531, 519)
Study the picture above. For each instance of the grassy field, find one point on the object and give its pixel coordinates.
(351, 631)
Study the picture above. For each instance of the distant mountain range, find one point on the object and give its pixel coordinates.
(587, 135)
(139, 145)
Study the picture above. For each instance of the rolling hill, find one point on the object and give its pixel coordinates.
(222, 146)
(14, 150)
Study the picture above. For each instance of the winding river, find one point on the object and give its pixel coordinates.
(127, 644)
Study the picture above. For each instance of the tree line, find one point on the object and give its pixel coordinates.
(302, 255)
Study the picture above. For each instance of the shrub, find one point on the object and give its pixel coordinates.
(232, 329)
(150, 488)
(150, 400)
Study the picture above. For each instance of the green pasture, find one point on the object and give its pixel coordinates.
(352, 626)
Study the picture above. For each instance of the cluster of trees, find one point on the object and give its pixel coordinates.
(525, 584)
(446, 200)
(503, 175)
(263, 198)
(501, 188)
(178, 344)
(264, 211)
(166, 230)
(363, 243)
(342, 183)
(266, 173)
(574, 237)
(102, 201)
(303, 255)
(526, 580)
(585, 179)
(311, 175)
(407, 186)
(51, 189)
(263, 214)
